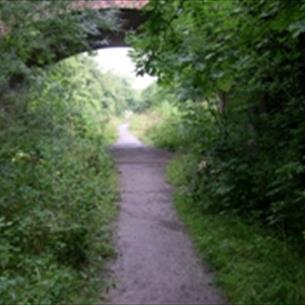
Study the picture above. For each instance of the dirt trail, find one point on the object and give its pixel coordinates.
(156, 263)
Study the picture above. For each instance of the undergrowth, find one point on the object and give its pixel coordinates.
(252, 265)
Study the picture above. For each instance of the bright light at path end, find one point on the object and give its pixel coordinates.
(117, 60)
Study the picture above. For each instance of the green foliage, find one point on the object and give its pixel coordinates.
(236, 68)
(150, 97)
(57, 187)
(252, 265)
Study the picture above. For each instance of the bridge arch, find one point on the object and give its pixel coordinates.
(130, 15)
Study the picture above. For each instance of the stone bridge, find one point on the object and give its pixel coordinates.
(131, 17)
(129, 13)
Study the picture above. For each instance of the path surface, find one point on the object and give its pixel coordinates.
(156, 263)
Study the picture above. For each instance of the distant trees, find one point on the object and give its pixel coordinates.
(117, 93)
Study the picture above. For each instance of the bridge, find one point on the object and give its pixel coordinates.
(130, 15)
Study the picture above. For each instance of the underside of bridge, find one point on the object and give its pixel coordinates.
(130, 16)
(129, 19)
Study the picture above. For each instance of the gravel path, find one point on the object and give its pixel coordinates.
(156, 261)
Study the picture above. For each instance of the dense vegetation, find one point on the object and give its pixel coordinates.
(254, 264)
(236, 72)
(58, 186)
(236, 68)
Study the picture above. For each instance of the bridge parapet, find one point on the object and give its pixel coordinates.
(104, 4)
(97, 5)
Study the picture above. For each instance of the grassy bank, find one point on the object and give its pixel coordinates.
(252, 266)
